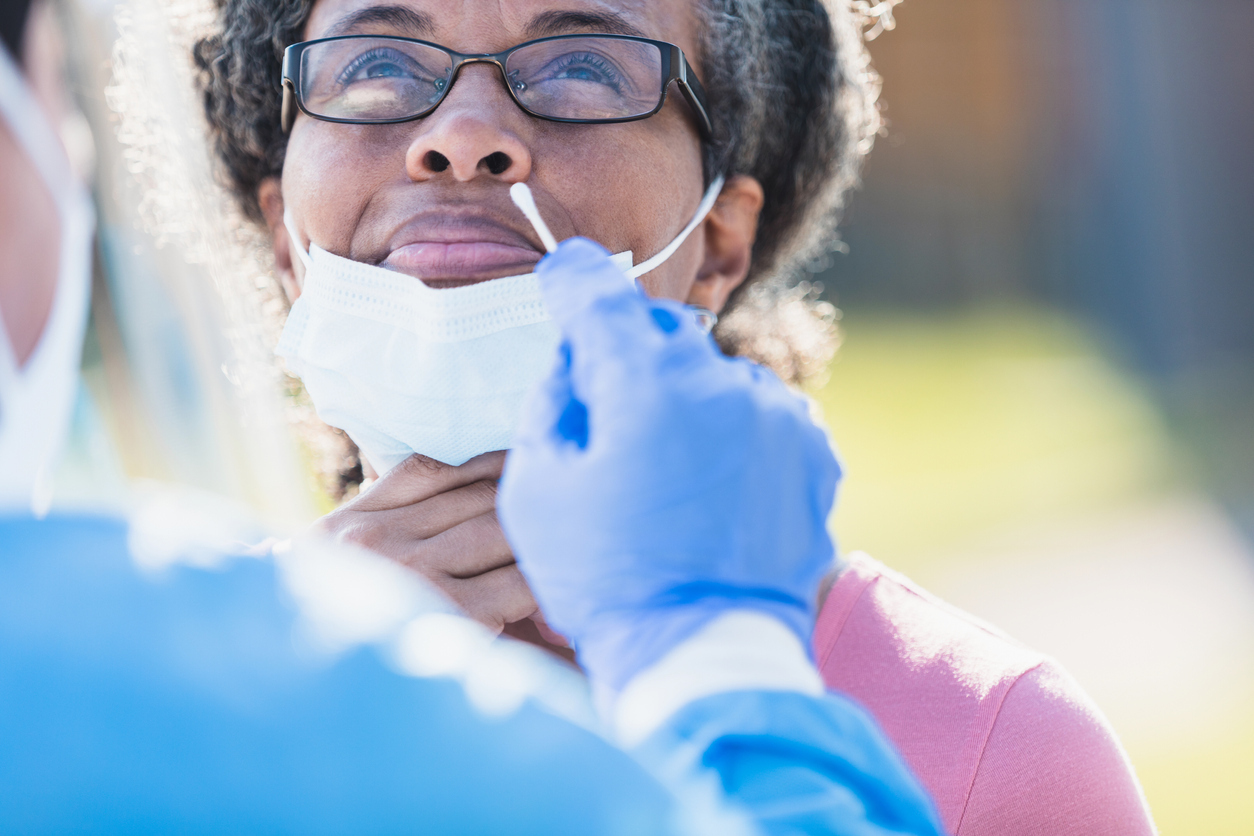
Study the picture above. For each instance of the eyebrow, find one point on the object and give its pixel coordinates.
(399, 18)
(561, 23)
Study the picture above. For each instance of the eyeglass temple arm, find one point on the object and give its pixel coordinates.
(289, 106)
(694, 93)
(288, 82)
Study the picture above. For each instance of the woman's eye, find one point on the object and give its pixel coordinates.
(585, 67)
(385, 63)
(582, 73)
(383, 69)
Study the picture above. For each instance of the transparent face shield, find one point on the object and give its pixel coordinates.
(37, 397)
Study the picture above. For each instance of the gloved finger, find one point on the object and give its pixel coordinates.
(576, 276)
(685, 340)
(602, 316)
(419, 478)
(595, 305)
(552, 414)
(494, 599)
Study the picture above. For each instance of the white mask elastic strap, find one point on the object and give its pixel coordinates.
(9, 371)
(521, 195)
(707, 203)
(36, 139)
(301, 252)
(35, 135)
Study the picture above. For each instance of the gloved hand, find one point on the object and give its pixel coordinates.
(656, 483)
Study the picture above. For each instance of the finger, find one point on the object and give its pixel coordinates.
(398, 533)
(605, 321)
(432, 517)
(497, 598)
(552, 412)
(578, 274)
(597, 308)
(419, 478)
(473, 548)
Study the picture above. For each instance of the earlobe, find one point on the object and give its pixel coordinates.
(270, 197)
(730, 231)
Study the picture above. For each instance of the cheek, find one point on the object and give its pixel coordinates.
(629, 187)
(675, 278)
(329, 173)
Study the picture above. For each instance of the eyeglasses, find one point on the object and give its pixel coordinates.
(371, 79)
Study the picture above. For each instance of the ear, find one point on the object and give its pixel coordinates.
(270, 196)
(730, 230)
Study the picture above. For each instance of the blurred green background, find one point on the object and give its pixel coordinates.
(1045, 396)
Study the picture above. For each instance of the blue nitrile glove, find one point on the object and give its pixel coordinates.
(655, 483)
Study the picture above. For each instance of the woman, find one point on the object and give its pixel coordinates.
(386, 158)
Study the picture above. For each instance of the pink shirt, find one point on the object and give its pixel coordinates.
(1007, 743)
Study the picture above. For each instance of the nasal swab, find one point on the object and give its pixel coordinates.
(521, 195)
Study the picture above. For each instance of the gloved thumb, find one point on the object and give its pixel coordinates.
(578, 273)
(603, 318)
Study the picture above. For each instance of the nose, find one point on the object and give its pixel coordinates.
(472, 133)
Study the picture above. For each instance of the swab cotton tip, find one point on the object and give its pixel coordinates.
(521, 195)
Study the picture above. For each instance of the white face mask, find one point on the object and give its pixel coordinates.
(404, 368)
(37, 400)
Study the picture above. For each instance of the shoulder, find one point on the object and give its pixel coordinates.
(25, 537)
(875, 620)
(84, 572)
(959, 697)
(74, 588)
(1053, 765)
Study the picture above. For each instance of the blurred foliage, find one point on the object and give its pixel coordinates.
(1206, 790)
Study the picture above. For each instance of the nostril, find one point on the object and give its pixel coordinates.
(498, 163)
(435, 161)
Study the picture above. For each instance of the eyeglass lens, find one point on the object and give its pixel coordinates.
(384, 79)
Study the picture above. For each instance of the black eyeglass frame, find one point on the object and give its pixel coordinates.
(675, 68)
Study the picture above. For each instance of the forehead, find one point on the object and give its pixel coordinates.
(494, 25)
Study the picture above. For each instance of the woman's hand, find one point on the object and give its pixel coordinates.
(441, 521)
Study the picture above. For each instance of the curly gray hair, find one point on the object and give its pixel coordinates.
(792, 96)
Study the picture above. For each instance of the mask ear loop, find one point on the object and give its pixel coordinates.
(707, 203)
(523, 199)
(526, 202)
(301, 252)
(36, 138)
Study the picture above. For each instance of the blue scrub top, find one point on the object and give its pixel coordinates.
(181, 704)
(178, 702)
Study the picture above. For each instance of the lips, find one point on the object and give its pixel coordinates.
(445, 250)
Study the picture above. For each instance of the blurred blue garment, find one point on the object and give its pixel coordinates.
(177, 701)
(799, 764)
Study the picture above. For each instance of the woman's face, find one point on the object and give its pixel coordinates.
(423, 198)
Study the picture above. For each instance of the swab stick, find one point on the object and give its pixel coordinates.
(521, 195)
